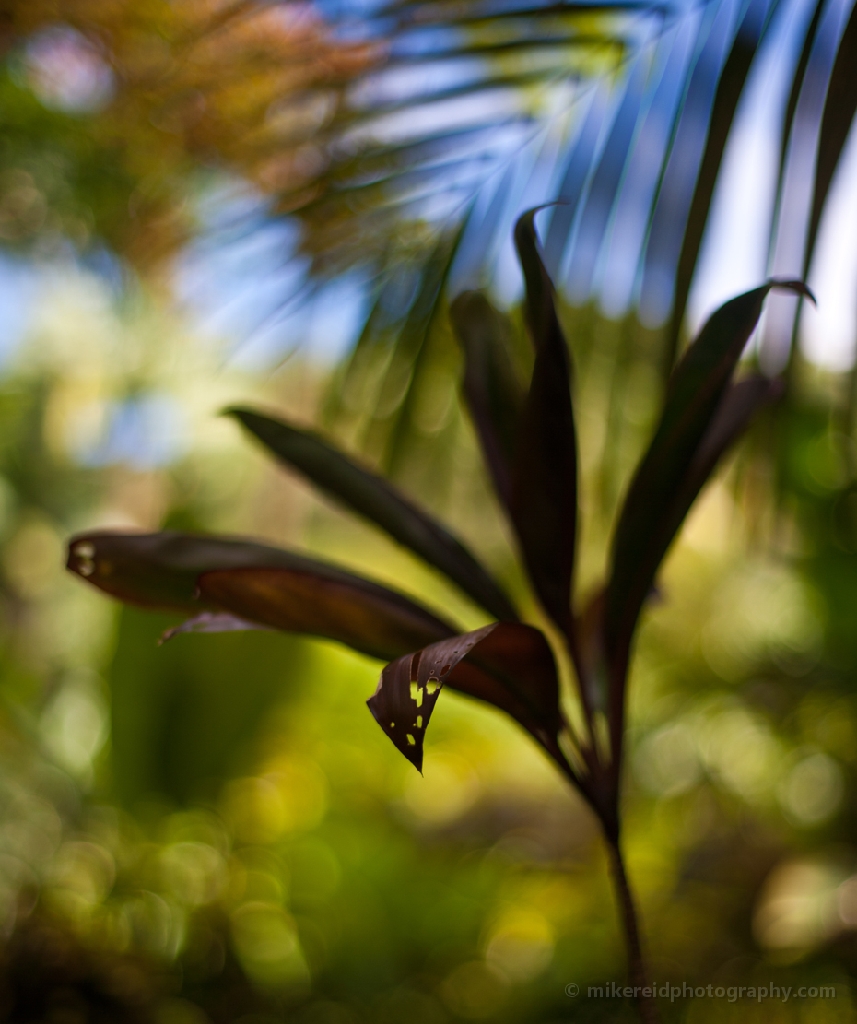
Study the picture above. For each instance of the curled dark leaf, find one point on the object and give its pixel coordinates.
(506, 664)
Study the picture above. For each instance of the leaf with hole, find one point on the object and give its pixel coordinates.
(506, 664)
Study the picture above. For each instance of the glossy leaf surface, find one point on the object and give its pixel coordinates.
(544, 476)
(255, 583)
(507, 665)
(647, 524)
(160, 570)
(372, 496)
(365, 616)
(494, 395)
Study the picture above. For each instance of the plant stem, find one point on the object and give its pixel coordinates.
(638, 975)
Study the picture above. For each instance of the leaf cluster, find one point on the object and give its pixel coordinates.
(527, 432)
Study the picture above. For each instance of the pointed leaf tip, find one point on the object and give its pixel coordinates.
(410, 686)
(792, 284)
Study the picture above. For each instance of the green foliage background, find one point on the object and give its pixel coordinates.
(216, 830)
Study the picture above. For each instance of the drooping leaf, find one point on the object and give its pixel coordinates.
(840, 108)
(506, 664)
(646, 527)
(370, 495)
(160, 570)
(544, 475)
(270, 587)
(494, 395)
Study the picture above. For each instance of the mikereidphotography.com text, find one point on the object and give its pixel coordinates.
(729, 993)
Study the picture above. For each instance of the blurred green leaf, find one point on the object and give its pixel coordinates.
(184, 717)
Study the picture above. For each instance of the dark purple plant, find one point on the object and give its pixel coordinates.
(528, 440)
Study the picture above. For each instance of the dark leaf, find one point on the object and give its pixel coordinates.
(476, 15)
(363, 615)
(506, 664)
(372, 496)
(695, 392)
(160, 570)
(270, 587)
(840, 109)
(493, 392)
(544, 475)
